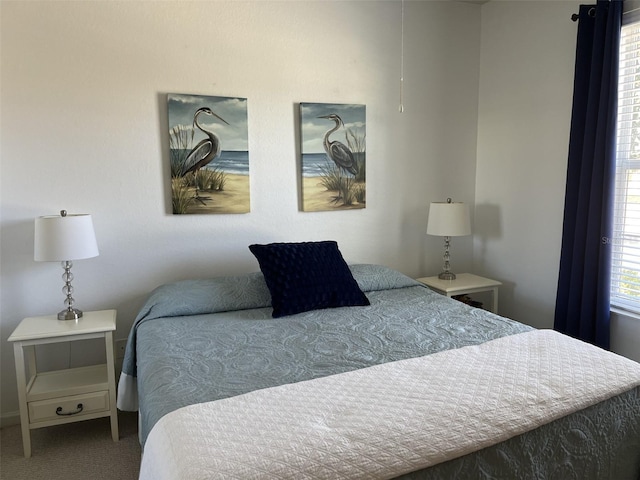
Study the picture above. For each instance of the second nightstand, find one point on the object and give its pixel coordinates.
(465, 283)
(70, 395)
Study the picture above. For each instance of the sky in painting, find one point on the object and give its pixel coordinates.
(314, 128)
(234, 136)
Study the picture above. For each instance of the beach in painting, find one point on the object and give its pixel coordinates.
(317, 198)
(233, 199)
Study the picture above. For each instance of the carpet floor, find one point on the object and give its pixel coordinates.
(76, 451)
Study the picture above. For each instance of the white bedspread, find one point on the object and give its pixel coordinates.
(386, 420)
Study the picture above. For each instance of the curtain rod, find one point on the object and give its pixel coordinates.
(575, 16)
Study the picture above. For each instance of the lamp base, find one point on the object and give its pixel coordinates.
(447, 276)
(70, 314)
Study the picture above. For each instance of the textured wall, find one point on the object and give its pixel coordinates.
(83, 128)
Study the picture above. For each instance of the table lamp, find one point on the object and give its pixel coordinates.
(62, 239)
(448, 219)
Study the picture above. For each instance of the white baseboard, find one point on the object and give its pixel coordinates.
(8, 419)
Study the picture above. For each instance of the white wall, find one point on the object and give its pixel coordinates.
(84, 128)
(526, 87)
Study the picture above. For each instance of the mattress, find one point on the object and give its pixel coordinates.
(207, 340)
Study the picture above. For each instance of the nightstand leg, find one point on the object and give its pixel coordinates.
(495, 300)
(21, 377)
(111, 375)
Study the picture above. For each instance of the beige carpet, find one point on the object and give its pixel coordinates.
(76, 451)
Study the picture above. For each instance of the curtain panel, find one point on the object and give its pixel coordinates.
(582, 301)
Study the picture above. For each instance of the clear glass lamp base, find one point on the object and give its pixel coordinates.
(447, 276)
(70, 314)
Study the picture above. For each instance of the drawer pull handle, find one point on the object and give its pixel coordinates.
(79, 409)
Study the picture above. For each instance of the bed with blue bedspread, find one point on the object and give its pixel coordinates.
(215, 344)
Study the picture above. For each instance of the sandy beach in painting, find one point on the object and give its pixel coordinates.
(316, 198)
(233, 199)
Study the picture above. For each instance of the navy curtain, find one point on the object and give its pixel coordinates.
(582, 302)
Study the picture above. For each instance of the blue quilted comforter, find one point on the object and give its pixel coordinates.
(221, 331)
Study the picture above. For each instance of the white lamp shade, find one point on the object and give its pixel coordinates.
(449, 219)
(60, 238)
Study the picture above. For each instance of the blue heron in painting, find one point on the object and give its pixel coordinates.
(337, 151)
(205, 151)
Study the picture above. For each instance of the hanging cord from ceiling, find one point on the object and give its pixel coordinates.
(401, 107)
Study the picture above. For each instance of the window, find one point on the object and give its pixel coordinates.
(625, 274)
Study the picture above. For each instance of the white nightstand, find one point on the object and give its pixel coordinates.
(465, 283)
(64, 396)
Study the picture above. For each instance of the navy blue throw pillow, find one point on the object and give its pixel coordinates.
(307, 276)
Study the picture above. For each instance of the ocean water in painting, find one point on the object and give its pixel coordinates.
(230, 161)
(314, 164)
(237, 162)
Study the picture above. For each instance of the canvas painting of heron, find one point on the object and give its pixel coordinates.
(209, 154)
(333, 156)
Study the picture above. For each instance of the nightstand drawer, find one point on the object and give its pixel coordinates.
(75, 406)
